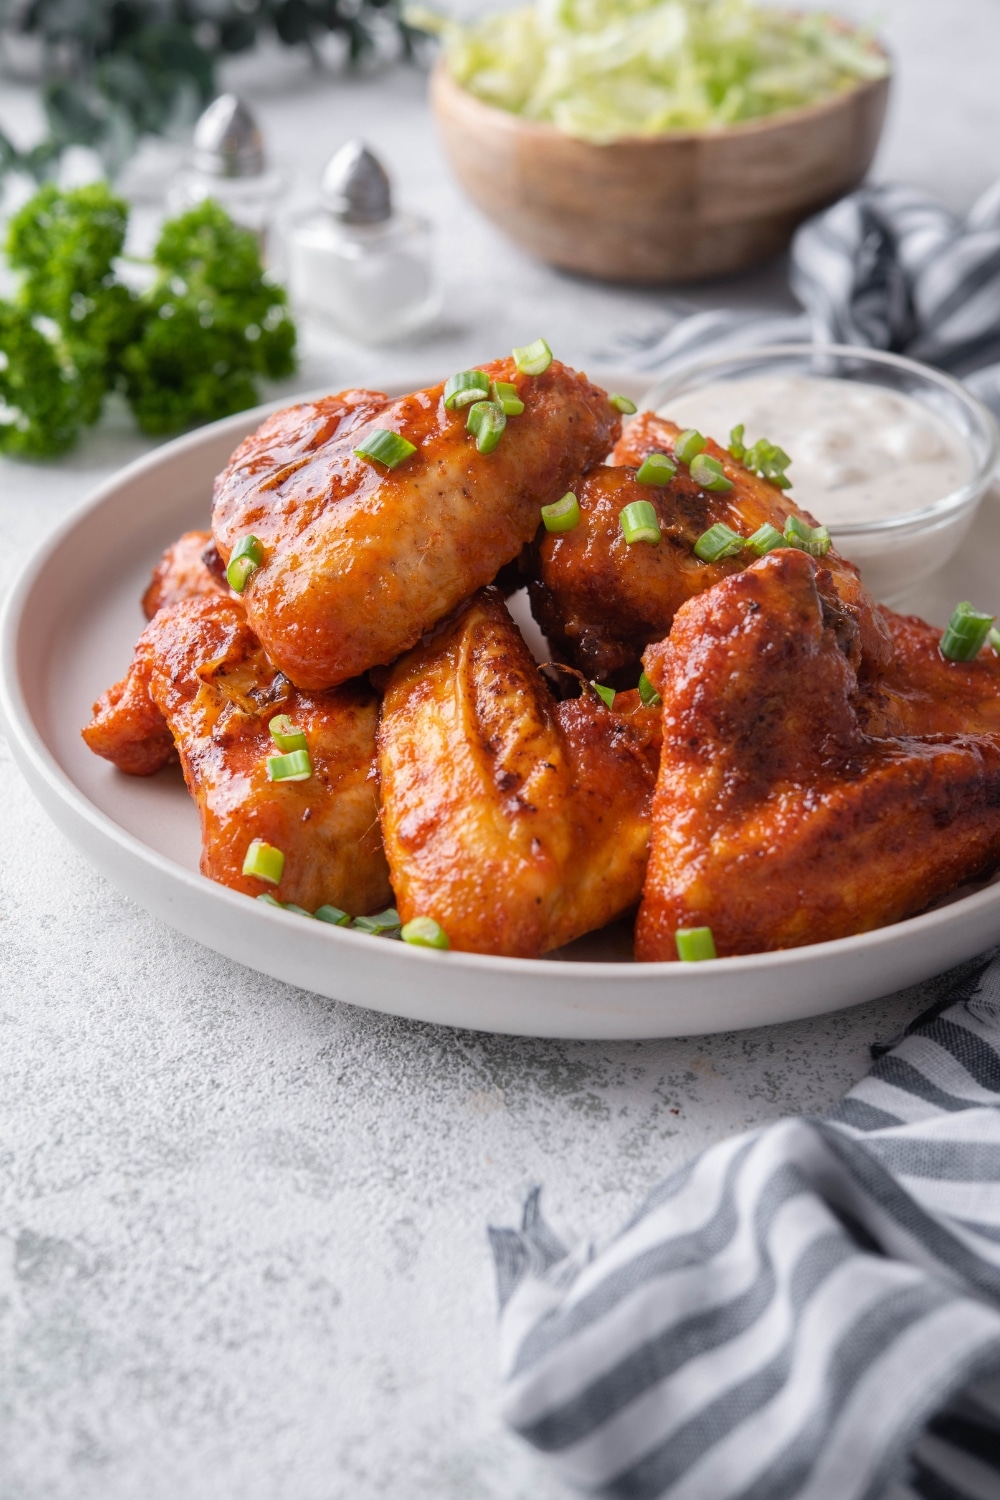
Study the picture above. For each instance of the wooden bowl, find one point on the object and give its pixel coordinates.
(672, 207)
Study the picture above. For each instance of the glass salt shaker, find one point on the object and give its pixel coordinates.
(354, 260)
(228, 163)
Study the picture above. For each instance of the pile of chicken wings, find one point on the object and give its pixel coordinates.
(801, 764)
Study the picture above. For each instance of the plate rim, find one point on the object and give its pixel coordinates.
(32, 752)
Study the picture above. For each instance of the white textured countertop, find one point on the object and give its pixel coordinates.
(242, 1247)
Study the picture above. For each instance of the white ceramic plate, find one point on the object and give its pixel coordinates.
(68, 632)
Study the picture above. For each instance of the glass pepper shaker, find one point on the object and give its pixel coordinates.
(354, 260)
(228, 163)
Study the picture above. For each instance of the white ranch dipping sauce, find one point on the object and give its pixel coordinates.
(859, 452)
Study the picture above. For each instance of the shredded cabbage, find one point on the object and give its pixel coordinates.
(599, 69)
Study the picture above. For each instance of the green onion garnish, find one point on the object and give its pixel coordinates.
(993, 636)
(299, 911)
(424, 932)
(264, 861)
(384, 447)
(383, 921)
(695, 944)
(647, 692)
(533, 359)
(333, 915)
(246, 558)
(466, 386)
(487, 420)
(639, 523)
(812, 539)
(769, 461)
(295, 766)
(765, 539)
(736, 446)
(717, 542)
(656, 468)
(285, 735)
(709, 473)
(965, 633)
(562, 515)
(623, 404)
(606, 694)
(505, 395)
(688, 445)
(270, 900)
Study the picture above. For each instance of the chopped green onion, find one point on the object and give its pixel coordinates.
(770, 462)
(736, 446)
(709, 473)
(466, 386)
(295, 766)
(533, 359)
(264, 862)
(717, 542)
(487, 420)
(765, 539)
(245, 559)
(384, 447)
(505, 395)
(656, 468)
(299, 911)
(333, 915)
(424, 932)
(639, 523)
(812, 539)
(383, 921)
(562, 515)
(606, 694)
(270, 900)
(993, 637)
(285, 735)
(688, 445)
(623, 404)
(647, 692)
(965, 633)
(695, 944)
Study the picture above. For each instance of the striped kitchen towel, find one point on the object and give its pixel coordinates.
(807, 1312)
(888, 267)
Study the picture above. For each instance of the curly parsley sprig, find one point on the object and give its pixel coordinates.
(187, 350)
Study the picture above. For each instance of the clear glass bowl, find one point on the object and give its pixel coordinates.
(894, 553)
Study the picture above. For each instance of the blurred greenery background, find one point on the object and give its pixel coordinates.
(111, 71)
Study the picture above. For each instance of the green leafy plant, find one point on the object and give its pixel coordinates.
(115, 70)
(188, 349)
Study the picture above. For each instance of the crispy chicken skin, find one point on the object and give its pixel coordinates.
(360, 560)
(200, 681)
(601, 602)
(923, 693)
(777, 821)
(184, 573)
(518, 823)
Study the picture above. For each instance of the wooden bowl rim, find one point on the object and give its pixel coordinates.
(441, 79)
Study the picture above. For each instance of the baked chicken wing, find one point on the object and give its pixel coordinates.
(516, 822)
(921, 692)
(777, 820)
(200, 682)
(601, 602)
(189, 569)
(360, 560)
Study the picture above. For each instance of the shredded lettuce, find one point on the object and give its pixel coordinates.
(599, 69)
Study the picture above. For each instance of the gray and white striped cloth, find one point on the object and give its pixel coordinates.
(888, 267)
(807, 1312)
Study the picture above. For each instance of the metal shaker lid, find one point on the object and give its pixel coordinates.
(355, 186)
(227, 140)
